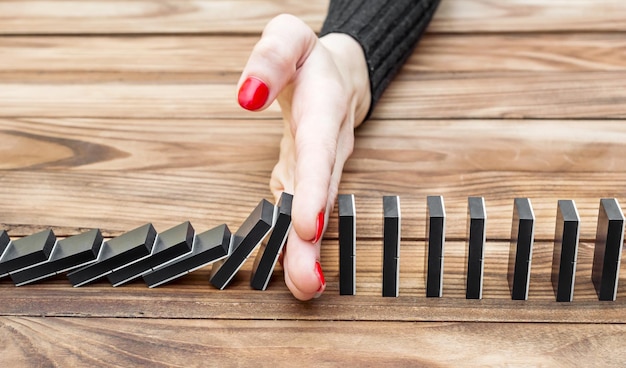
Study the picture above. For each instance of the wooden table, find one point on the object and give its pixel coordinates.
(118, 113)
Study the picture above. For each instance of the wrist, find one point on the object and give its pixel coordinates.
(350, 60)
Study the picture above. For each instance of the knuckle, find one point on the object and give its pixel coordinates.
(271, 49)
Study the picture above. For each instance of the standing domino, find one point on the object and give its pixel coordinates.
(521, 248)
(391, 246)
(347, 244)
(435, 241)
(565, 250)
(608, 249)
(476, 236)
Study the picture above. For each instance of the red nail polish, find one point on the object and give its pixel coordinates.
(320, 276)
(319, 227)
(253, 94)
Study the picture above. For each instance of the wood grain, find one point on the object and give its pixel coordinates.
(435, 96)
(115, 202)
(447, 147)
(158, 342)
(168, 171)
(505, 95)
(250, 16)
(120, 112)
(121, 144)
(41, 59)
(149, 16)
(193, 297)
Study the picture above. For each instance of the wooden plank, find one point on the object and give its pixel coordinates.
(193, 297)
(124, 144)
(505, 95)
(539, 52)
(213, 16)
(38, 59)
(168, 171)
(528, 16)
(158, 342)
(149, 16)
(116, 201)
(447, 147)
(125, 100)
(527, 95)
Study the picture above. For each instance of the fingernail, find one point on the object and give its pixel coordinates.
(319, 227)
(320, 276)
(253, 94)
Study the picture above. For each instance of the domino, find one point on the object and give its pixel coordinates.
(476, 236)
(169, 245)
(208, 247)
(5, 240)
(521, 248)
(608, 249)
(267, 255)
(435, 241)
(68, 254)
(246, 239)
(26, 252)
(126, 249)
(565, 250)
(391, 246)
(347, 244)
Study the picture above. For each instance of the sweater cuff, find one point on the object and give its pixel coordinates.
(388, 32)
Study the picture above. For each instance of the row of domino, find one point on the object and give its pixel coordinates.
(606, 260)
(157, 258)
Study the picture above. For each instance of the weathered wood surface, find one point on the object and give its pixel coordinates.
(579, 95)
(250, 16)
(193, 297)
(179, 77)
(117, 113)
(184, 343)
(59, 58)
(123, 172)
(115, 202)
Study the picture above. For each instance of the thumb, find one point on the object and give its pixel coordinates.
(284, 45)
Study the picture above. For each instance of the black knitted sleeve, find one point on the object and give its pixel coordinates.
(388, 31)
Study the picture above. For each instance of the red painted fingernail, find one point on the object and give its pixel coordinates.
(253, 94)
(319, 227)
(320, 276)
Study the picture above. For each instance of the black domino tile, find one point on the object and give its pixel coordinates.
(608, 249)
(248, 236)
(118, 252)
(208, 247)
(27, 252)
(169, 245)
(521, 248)
(435, 241)
(70, 253)
(268, 253)
(476, 235)
(391, 246)
(565, 250)
(5, 240)
(347, 244)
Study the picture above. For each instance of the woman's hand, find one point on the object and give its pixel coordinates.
(323, 90)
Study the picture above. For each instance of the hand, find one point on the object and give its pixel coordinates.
(322, 87)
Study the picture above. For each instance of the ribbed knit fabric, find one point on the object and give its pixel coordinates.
(388, 31)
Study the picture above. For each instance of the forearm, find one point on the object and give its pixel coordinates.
(388, 32)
